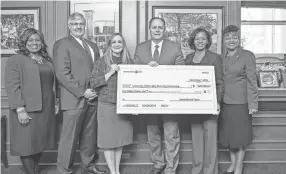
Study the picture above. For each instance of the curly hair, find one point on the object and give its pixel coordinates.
(193, 36)
(23, 39)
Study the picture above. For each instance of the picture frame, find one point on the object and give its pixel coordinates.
(103, 18)
(181, 21)
(268, 79)
(14, 20)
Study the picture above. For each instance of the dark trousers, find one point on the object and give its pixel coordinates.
(78, 126)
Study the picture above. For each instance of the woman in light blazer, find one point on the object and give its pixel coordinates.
(240, 99)
(204, 127)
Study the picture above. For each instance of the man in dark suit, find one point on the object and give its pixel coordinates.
(154, 52)
(74, 58)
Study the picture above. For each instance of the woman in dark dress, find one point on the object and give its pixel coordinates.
(29, 82)
(204, 127)
(114, 131)
(240, 99)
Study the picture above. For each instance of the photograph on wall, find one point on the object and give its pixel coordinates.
(102, 19)
(182, 21)
(13, 22)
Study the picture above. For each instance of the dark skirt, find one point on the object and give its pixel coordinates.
(235, 126)
(113, 130)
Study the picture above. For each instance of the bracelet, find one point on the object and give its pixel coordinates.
(20, 109)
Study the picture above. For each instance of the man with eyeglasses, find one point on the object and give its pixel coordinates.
(74, 57)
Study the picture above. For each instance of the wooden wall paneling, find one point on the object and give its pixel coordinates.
(129, 24)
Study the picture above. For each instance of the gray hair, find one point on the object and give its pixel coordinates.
(75, 15)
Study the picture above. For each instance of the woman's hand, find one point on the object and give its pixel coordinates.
(253, 111)
(115, 67)
(24, 118)
(112, 70)
(57, 108)
(218, 108)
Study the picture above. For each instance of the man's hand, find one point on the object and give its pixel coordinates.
(153, 63)
(89, 93)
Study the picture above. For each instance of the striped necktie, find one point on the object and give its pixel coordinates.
(86, 47)
(156, 53)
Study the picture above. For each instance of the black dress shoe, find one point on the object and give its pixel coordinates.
(156, 170)
(226, 172)
(94, 171)
(90, 171)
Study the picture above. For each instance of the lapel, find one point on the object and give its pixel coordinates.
(89, 58)
(237, 54)
(82, 50)
(149, 51)
(207, 58)
(163, 49)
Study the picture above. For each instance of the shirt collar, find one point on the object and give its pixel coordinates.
(236, 54)
(77, 39)
(159, 44)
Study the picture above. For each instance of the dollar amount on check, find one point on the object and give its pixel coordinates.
(166, 89)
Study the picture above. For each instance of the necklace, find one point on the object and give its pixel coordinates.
(36, 58)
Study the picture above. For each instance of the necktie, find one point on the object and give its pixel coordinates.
(86, 47)
(156, 53)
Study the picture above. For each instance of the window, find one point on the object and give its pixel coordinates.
(263, 29)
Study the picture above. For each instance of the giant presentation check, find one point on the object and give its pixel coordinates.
(166, 89)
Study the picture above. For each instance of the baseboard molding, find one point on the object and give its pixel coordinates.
(145, 168)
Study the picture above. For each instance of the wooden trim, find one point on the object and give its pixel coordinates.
(264, 4)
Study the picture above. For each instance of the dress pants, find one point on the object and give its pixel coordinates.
(204, 138)
(171, 139)
(78, 126)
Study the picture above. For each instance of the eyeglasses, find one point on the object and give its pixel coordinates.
(76, 24)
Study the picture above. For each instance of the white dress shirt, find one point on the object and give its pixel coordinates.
(153, 47)
(80, 42)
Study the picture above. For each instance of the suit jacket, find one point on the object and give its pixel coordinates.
(73, 69)
(23, 84)
(240, 79)
(171, 53)
(215, 60)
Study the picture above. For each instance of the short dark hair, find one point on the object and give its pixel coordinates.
(153, 18)
(193, 36)
(23, 39)
(229, 29)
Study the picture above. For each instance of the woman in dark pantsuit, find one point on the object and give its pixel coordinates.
(29, 81)
(114, 131)
(240, 99)
(204, 132)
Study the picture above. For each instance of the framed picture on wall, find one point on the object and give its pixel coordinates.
(268, 79)
(103, 18)
(13, 22)
(182, 21)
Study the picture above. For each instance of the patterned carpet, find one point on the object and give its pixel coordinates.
(144, 169)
